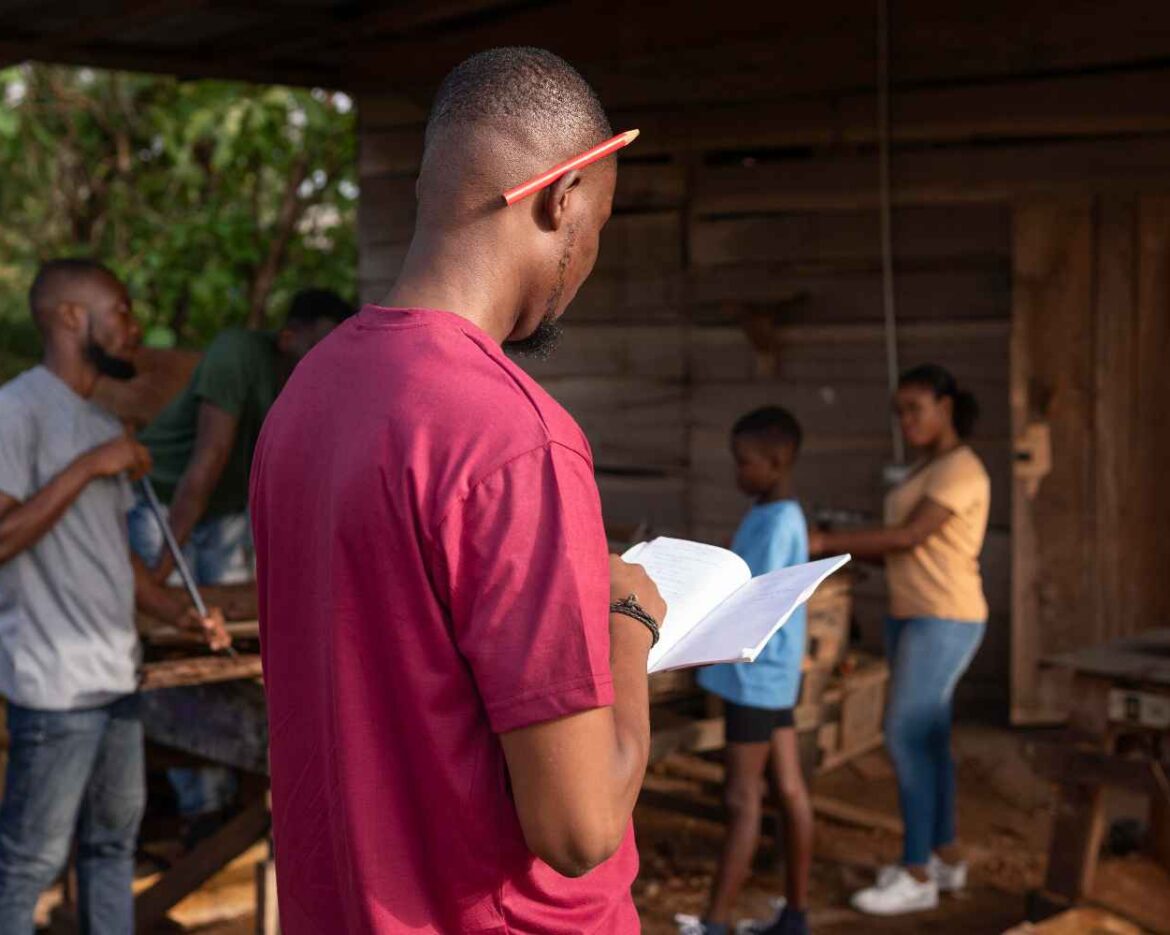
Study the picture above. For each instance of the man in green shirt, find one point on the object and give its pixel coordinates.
(202, 442)
(202, 445)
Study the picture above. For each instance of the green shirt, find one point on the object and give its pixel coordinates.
(241, 374)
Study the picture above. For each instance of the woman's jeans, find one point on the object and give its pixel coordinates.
(72, 772)
(927, 656)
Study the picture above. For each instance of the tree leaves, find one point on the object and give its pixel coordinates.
(181, 187)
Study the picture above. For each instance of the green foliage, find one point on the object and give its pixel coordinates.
(214, 200)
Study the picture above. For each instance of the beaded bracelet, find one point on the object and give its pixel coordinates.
(629, 607)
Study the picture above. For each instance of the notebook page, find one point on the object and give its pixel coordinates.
(692, 577)
(741, 626)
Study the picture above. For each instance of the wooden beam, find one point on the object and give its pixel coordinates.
(399, 19)
(692, 50)
(1052, 528)
(850, 814)
(206, 859)
(126, 16)
(1067, 106)
(952, 176)
(181, 62)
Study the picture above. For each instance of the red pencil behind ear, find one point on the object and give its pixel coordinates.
(610, 146)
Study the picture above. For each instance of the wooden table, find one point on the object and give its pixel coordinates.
(211, 707)
(1118, 735)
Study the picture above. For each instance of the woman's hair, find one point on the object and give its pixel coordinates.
(941, 382)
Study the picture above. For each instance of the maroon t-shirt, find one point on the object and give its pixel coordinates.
(432, 572)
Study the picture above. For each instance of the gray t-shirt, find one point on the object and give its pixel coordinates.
(67, 633)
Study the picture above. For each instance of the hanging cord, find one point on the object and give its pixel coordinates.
(891, 320)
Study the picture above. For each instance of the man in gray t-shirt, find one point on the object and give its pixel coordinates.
(68, 587)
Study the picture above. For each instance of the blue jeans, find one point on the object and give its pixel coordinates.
(70, 771)
(927, 656)
(219, 551)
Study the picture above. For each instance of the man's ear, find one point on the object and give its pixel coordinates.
(71, 315)
(556, 199)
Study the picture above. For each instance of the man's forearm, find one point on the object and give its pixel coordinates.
(630, 647)
(152, 598)
(23, 525)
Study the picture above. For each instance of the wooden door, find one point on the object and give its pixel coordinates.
(1090, 374)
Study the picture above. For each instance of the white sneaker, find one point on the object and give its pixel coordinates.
(689, 925)
(755, 926)
(950, 877)
(896, 892)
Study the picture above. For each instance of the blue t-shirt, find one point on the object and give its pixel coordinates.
(771, 536)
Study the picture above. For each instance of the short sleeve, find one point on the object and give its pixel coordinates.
(956, 483)
(524, 564)
(16, 449)
(224, 374)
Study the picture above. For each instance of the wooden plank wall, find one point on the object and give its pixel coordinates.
(1090, 343)
(741, 267)
(657, 362)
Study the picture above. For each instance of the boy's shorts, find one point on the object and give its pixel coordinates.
(745, 724)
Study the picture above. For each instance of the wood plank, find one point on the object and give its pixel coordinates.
(390, 151)
(642, 241)
(195, 868)
(850, 814)
(931, 233)
(1052, 380)
(1072, 105)
(630, 296)
(796, 50)
(386, 210)
(628, 420)
(948, 176)
(202, 670)
(976, 352)
(381, 262)
(693, 736)
(831, 409)
(658, 502)
(173, 636)
(649, 352)
(1115, 453)
(1152, 451)
(850, 295)
(1076, 838)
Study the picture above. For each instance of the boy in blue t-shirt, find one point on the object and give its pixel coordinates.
(759, 697)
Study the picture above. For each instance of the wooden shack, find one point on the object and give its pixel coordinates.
(1028, 184)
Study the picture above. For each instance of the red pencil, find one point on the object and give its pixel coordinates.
(600, 151)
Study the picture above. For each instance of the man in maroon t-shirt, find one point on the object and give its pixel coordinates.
(458, 722)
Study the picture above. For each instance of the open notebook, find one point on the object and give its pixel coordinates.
(716, 610)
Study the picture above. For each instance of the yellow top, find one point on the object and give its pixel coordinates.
(940, 577)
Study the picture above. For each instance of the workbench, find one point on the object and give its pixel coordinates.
(1118, 734)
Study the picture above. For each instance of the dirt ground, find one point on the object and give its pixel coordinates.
(1004, 814)
(1004, 820)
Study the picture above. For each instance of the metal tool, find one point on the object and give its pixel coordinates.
(176, 553)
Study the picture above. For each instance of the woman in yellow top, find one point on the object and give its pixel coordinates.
(935, 523)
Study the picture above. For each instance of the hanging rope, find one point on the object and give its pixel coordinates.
(889, 313)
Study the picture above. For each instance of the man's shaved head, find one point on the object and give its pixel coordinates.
(534, 87)
(64, 281)
(82, 308)
(499, 118)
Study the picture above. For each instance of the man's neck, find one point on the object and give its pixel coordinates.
(68, 366)
(458, 277)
